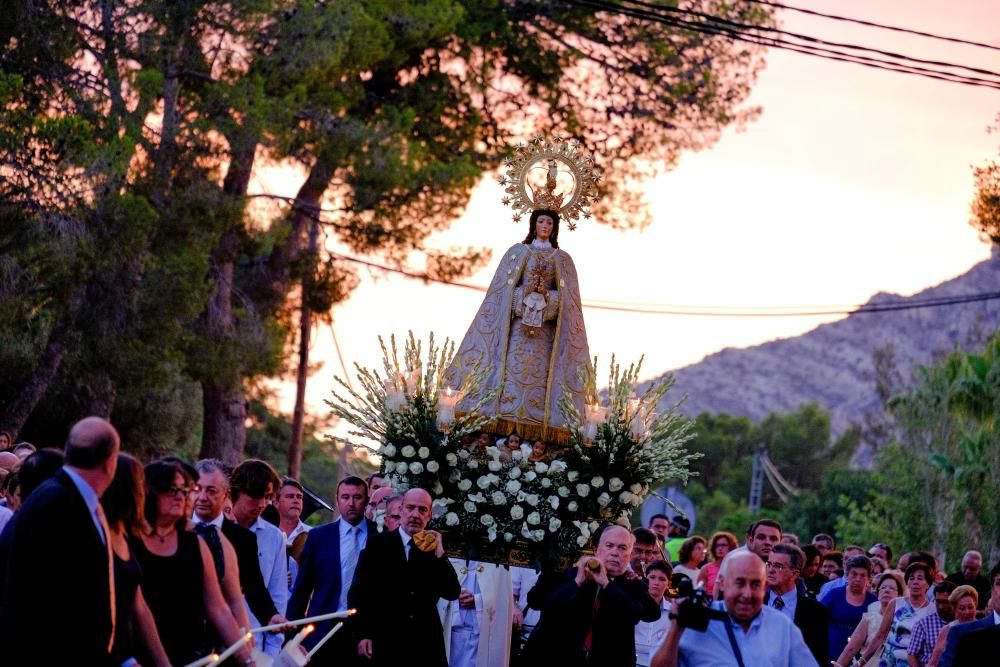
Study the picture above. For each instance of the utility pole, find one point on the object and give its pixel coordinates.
(756, 481)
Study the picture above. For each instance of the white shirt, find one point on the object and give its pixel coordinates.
(217, 521)
(347, 578)
(5, 515)
(298, 530)
(274, 568)
(649, 636)
(996, 618)
(407, 540)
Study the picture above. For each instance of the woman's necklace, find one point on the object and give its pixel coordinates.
(163, 536)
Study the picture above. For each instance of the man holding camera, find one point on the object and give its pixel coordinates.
(749, 634)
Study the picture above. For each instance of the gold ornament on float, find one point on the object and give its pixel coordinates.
(570, 179)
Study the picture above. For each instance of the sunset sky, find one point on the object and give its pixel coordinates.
(852, 181)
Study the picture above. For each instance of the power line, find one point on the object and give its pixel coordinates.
(872, 24)
(720, 29)
(716, 311)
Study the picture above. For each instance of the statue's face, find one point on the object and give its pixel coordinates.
(543, 227)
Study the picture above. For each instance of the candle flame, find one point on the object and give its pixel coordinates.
(309, 628)
(351, 612)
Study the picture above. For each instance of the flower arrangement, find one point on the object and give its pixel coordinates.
(492, 501)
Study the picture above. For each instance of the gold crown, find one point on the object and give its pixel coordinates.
(579, 164)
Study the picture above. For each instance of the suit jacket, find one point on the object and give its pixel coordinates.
(567, 614)
(397, 599)
(813, 619)
(957, 632)
(251, 580)
(56, 604)
(978, 647)
(318, 583)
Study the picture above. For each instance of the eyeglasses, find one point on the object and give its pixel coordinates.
(178, 491)
(778, 567)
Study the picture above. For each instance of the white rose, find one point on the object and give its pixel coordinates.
(538, 535)
(494, 466)
(492, 533)
(508, 537)
(499, 498)
(483, 482)
(401, 468)
(581, 541)
(582, 490)
(554, 524)
(597, 482)
(594, 525)
(433, 466)
(635, 488)
(423, 452)
(603, 499)
(469, 506)
(486, 520)
(534, 518)
(546, 482)
(625, 497)
(451, 518)
(465, 485)
(521, 495)
(437, 488)
(388, 451)
(472, 465)
(462, 454)
(451, 459)
(525, 531)
(515, 455)
(514, 473)
(532, 499)
(513, 486)
(554, 501)
(525, 450)
(409, 451)
(572, 506)
(516, 512)
(493, 452)
(557, 467)
(541, 467)
(530, 475)
(478, 498)
(563, 491)
(615, 485)
(493, 478)
(572, 475)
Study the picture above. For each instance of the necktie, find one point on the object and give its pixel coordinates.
(111, 572)
(589, 639)
(779, 602)
(350, 556)
(211, 537)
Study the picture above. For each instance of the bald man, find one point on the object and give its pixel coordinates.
(396, 589)
(56, 562)
(590, 618)
(762, 635)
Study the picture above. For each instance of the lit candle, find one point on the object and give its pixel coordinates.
(202, 662)
(594, 416)
(324, 640)
(395, 399)
(294, 642)
(637, 424)
(236, 646)
(447, 400)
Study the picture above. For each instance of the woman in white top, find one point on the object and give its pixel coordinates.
(691, 556)
(890, 587)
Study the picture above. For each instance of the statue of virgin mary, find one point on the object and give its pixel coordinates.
(529, 335)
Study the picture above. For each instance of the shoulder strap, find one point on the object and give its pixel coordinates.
(732, 642)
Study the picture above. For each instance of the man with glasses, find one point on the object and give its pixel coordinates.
(783, 567)
(646, 550)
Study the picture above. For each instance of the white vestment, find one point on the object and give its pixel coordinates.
(485, 631)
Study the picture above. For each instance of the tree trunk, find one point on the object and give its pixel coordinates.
(225, 424)
(302, 376)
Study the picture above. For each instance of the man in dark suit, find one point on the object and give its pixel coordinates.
(978, 648)
(58, 593)
(396, 589)
(590, 617)
(952, 657)
(213, 489)
(327, 567)
(784, 565)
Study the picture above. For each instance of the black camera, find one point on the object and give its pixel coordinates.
(694, 611)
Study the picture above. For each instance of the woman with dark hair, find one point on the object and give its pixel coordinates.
(888, 587)
(899, 619)
(690, 557)
(180, 582)
(123, 504)
(811, 575)
(720, 544)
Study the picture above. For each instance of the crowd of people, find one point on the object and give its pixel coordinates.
(106, 561)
